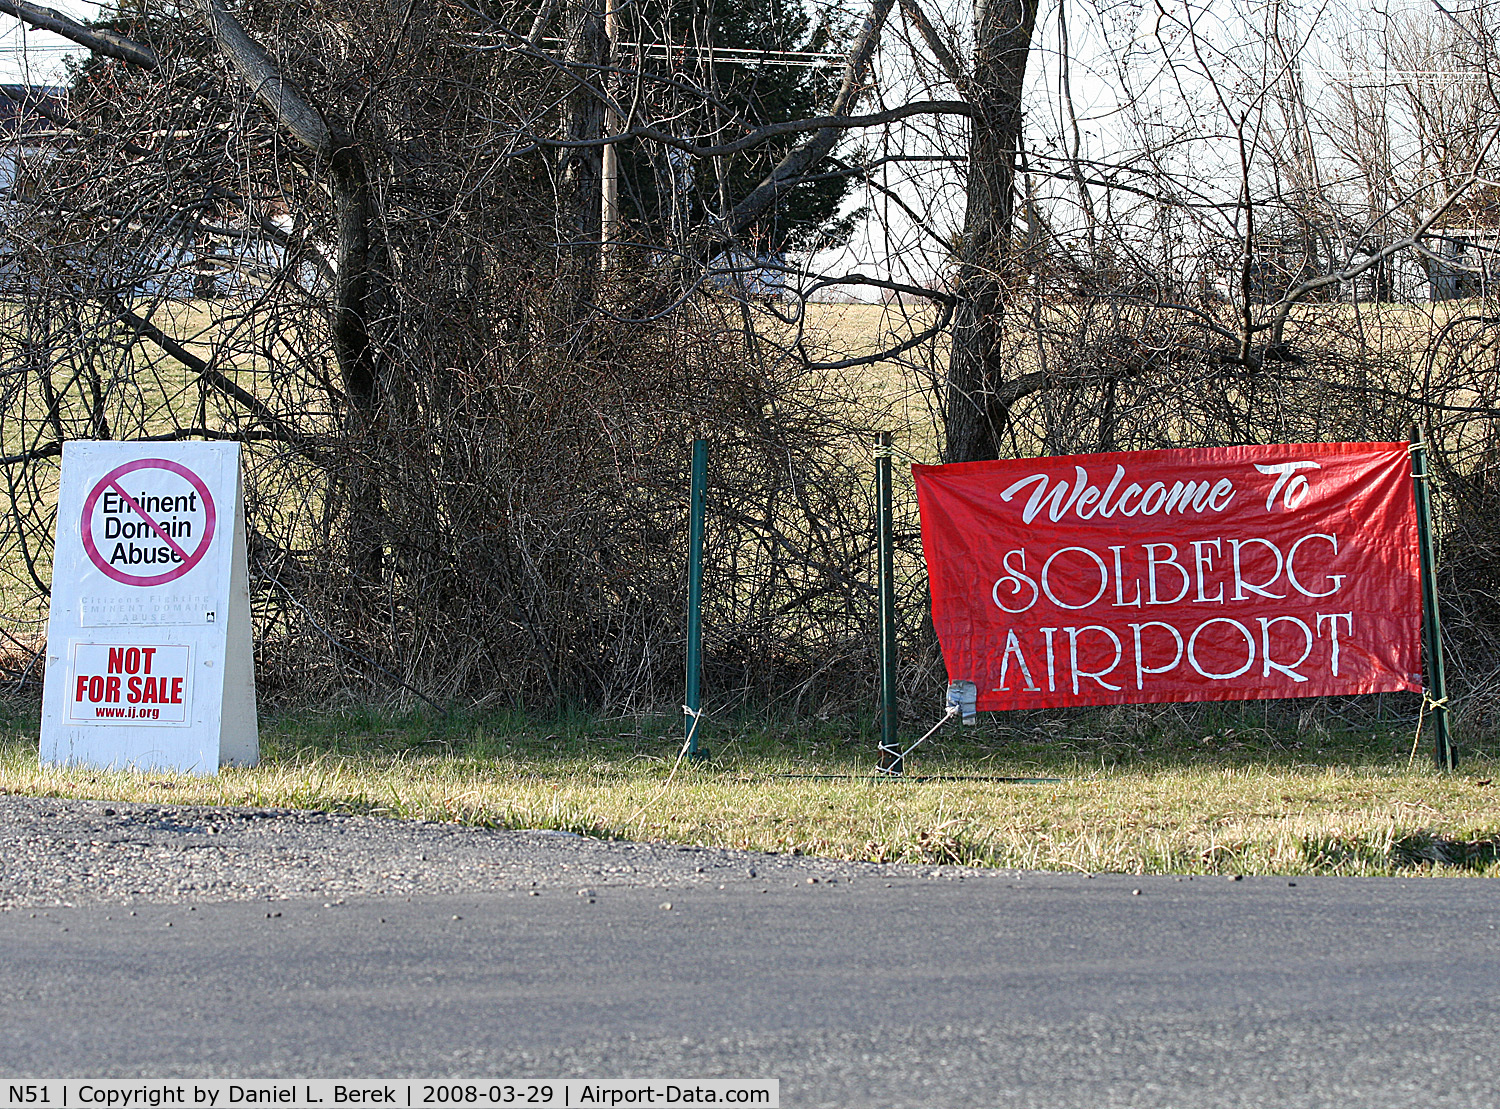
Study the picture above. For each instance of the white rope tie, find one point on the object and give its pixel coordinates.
(896, 452)
(697, 715)
(687, 744)
(1416, 740)
(952, 711)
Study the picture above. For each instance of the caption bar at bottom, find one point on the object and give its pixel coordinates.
(327, 1093)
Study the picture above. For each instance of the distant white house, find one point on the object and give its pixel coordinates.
(749, 277)
(27, 129)
(28, 134)
(211, 263)
(1467, 262)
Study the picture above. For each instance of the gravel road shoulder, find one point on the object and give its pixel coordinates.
(74, 852)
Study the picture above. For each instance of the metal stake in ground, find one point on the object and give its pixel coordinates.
(1432, 627)
(692, 703)
(891, 761)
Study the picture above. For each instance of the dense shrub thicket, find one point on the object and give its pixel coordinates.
(466, 427)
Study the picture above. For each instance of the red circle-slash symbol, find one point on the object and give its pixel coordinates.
(189, 559)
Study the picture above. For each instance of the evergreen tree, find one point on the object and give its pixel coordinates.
(663, 192)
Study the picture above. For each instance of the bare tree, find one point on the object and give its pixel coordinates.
(366, 240)
(981, 387)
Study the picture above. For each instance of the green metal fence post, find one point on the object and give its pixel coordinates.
(696, 512)
(1432, 626)
(891, 761)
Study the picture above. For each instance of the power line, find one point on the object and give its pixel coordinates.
(1401, 74)
(655, 51)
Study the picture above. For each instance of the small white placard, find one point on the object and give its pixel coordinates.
(129, 684)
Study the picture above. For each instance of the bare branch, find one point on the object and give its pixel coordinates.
(950, 65)
(939, 324)
(539, 24)
(285, 100)
(177, 435)
(1282, 309)
(206, 372)
(36, 454)
(99, 40)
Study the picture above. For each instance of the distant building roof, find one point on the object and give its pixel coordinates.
(24, 109)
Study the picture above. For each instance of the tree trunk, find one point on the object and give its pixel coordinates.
(976, 407)
(349, 321)
(355, 355)
(580, 209)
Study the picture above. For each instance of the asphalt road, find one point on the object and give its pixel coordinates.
(868, 987)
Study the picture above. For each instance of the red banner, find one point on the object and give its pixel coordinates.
(1181, 575)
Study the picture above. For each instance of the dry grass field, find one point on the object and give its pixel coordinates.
(1087, 794)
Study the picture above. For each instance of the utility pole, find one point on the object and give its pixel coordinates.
(609, 216)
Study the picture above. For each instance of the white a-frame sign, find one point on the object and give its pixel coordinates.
(149, 661)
